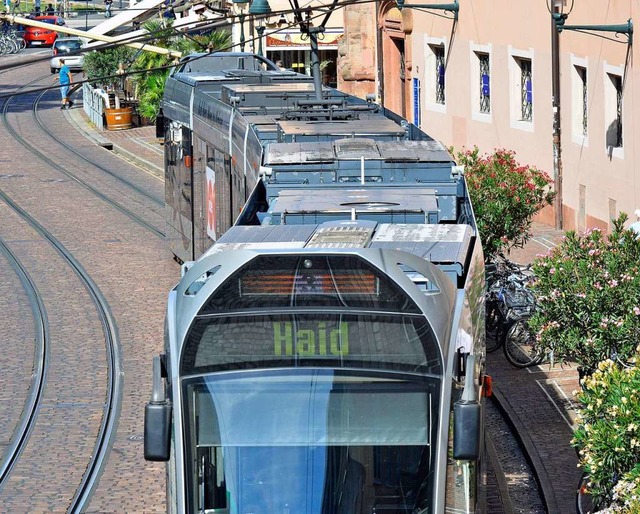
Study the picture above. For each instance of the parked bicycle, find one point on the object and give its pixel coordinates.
(509, 304)
(584, 502)
(10, 42)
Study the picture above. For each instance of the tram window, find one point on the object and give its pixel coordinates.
(309, 441)
(212, 491)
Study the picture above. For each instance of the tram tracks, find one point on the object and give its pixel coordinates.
(159, 202)
(32, 406)
(20, 434)
(114, 386)
(64, 170)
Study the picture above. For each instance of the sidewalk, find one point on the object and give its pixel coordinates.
(138, 145)
(537, 401)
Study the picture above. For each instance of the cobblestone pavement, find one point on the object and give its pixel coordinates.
(133, 269)
(538, 402)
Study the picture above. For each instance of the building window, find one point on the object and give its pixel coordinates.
(582, 74)
(526, 89)
(617, 84)
(434, 82)
(484, 83)
(438, 52)
(613, 106)
(579, 101)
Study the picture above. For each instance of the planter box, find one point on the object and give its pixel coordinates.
(118, 119)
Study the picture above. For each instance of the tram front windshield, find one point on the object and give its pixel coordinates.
(310, 441)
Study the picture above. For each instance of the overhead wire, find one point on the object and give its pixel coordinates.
(206, 25)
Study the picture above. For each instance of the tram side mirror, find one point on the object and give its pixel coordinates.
(467, 418)
(157, 420)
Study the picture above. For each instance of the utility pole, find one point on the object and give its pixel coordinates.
(557, 129)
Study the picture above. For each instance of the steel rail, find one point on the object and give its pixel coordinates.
(113, 400)
(64, 171)
(22, 431)
(135, 187)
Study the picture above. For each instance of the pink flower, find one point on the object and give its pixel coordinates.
(636, 310)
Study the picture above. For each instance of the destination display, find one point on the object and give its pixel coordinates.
(283, 281)
(324, 339)
(345, 283)
(306, 342)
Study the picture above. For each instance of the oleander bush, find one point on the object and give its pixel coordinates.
(626, 493)
(608, 434)
(505, 196)
(588, 293)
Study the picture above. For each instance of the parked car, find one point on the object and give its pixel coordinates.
(64, 47)
(36, 36)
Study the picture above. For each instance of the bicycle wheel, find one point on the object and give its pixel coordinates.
(518, 345)
(584, 502)
(493, 322)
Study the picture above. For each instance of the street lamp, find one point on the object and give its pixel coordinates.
(263, 9)
(452, 8)
(559, 17)
(239, 7)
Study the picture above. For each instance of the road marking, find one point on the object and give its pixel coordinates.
(556, 405)
(547, 243)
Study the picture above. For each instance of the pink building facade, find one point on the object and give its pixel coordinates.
(485, 80)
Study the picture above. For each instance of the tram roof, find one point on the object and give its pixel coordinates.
(446, 245)
(348, 148)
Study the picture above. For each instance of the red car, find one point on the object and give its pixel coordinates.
(35, 36)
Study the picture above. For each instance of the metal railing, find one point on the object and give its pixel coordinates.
(93, 102)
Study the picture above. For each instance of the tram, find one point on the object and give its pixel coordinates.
(324, 348)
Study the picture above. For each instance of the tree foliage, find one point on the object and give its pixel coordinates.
(149, 85)
(608, 435)
(101, 66)
(588, 294)
(148, 71)
(505, 196)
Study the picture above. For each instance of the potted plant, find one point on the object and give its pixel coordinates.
(105, 71)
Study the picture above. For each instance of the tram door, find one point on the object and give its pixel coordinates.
(216, 198)
(179, 191)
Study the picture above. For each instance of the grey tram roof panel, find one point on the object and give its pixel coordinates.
(384, 205)
(276, 89)
(446, 245)
(376, 126)
(268, 234)
(432, 151)
(270, 95)
(442, 244)
(327, 151)
(324, 200)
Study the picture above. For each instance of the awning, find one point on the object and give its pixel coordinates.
(326, 41)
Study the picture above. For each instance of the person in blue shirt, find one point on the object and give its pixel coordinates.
(65, 78)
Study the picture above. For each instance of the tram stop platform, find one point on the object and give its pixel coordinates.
(538, 401)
